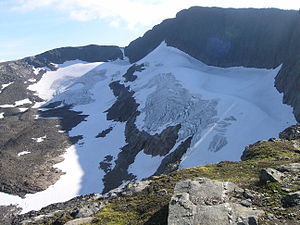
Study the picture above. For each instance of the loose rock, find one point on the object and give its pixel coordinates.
(270, 175)
(291, 199)
(204, 201)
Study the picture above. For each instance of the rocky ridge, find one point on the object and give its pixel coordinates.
(22, 124)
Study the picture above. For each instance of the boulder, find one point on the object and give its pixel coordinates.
(291, 133)
(128, 189)
(270, 175)
(204, 201)
(80, 221)
(291, 199)
(86, 210)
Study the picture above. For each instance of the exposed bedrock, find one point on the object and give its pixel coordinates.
(261, 38)
(172, 161)
(21, 174)
(129, 75)
(125, 105)
(89, 53)
(125, 110)
(205, 201)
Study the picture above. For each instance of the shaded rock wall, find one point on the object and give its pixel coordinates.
(261, 38)
(89, 53)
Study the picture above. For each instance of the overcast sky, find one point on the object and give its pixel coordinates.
(29, 27)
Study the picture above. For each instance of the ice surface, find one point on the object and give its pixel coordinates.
(55, 82)
(144, 165)
(222, 109)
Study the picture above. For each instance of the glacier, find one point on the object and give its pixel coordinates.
(222, 109)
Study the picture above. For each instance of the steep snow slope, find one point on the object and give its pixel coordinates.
(219, 110)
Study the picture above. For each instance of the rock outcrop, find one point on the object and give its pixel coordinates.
(204, 201)
(270, 175)
(290, 133)
(291, 199)
(89, 53)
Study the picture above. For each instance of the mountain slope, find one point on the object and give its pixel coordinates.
(130, 121)
(154, 201)
(260, 38)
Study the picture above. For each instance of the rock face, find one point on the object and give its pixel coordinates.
(261, 38)
(221, 37)
(291, 199)
(89, 53)
(291, 133)
(204, 201)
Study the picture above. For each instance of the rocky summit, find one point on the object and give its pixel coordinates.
(193, 123)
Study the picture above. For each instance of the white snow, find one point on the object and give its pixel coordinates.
(23, 153)
(32, 80)
(223, 109)
(64, 189)
(7, 106)
(36, 71)
(5, 86)
(144, 165)
(39, 139)
(23, 109)
(17, 103)
(201, 98)
(55, 82)
(2, 115)
(23, 102)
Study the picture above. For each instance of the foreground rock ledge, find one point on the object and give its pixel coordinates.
(205, 201)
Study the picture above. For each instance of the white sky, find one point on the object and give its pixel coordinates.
(34, 26)
(143, 12)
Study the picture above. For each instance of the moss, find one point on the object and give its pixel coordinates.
(110, 215)
(150, 207)
(268, 149)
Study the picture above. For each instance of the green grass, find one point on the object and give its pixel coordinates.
(148, 207)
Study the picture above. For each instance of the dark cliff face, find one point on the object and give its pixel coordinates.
(224, 37)
(288, 79)
(89, 53)
(261, 38)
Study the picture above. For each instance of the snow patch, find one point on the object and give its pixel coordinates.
(32, 80)
(70, 181)
(2, 115)
(39, 139)
(23, 109)
(5, 86)
(23, 153)
(56, 82)
(23, 102)
(144, 165)
(7, 106)
(36, 71)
